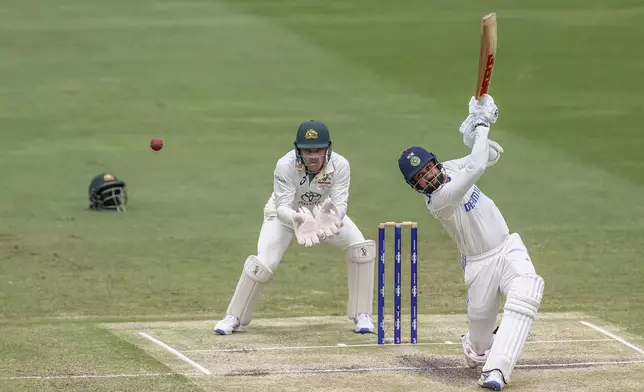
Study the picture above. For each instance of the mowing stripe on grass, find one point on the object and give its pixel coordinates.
(612, 335)
(176, 353)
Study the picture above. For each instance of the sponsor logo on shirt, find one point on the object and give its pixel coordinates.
(474, 198)
(310, 198)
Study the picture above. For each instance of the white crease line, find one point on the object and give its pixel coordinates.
(612, 335)
(177, 353)
(259, 372)
(343, 345)
(567, 341)
(66, 377)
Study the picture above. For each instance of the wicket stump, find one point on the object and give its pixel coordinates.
(398, 280)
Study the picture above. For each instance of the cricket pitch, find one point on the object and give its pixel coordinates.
(564, 353)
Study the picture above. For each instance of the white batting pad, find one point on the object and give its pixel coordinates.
(361, 261)
(249, 289)
(520, 310)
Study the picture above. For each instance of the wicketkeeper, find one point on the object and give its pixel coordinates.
(309, 201)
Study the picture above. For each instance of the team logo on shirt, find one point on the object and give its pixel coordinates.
(325, 181)
(311, 134)
(310, 198)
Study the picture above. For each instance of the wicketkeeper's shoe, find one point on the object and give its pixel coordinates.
(492, 380)
(363, 323)
(227, 326)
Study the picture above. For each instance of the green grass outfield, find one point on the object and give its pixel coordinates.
(84, 86)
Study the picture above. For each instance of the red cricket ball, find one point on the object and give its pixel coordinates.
(156, 144)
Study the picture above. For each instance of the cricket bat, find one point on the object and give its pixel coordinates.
(487, 54)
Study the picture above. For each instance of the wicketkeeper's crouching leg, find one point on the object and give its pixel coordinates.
(361, 260)
(254, 277)
(520, 310)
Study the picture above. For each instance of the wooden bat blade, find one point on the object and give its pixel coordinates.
(487, 54)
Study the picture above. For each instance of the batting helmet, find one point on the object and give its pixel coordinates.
(106, 192)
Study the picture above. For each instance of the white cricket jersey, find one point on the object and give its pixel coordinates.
(293, 188)
(470, 217)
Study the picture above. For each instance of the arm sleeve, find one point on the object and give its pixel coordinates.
(460, 163)
(284, 193)
(471, 168)
(468, 140)
(340, 190)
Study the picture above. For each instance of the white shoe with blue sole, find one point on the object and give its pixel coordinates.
(363, 323)
(492, 380)
(227, 326)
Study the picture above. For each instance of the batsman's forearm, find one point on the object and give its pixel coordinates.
(285, 215)
(480, 151)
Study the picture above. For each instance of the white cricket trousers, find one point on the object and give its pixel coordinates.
(275, 238)
(487, 276)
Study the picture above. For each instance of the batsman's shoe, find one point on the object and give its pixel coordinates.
(363, 323)
(227, 326)
(492, 380)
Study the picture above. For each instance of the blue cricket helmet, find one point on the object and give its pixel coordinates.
(412, 160)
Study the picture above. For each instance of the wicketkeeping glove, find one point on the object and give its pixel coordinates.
(327, 218)
(305, 227)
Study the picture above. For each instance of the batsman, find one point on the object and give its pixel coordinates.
(309, 201)
(494, 260)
